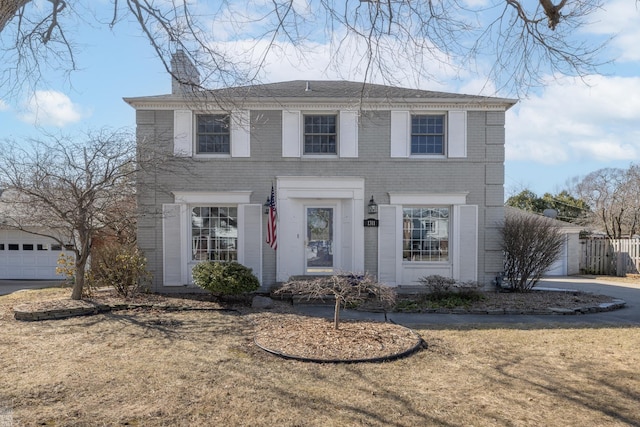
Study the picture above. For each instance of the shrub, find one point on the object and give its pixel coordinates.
(225, 278)
(531, 244)
(121, 267)
(445, 292)
(438, 285)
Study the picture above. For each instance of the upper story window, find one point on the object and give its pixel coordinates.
(213, 134)
(427, 134)
(320, 136)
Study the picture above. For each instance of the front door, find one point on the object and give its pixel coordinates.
(319, 242)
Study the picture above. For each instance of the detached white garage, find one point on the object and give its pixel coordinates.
(28, 256)
(568, 263)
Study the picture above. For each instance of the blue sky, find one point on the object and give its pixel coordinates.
(566, 129)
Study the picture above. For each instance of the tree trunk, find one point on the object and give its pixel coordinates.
(78, 284)
(336, 314)
(8, 10)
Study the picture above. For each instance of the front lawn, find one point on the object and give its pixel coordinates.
(195, 368)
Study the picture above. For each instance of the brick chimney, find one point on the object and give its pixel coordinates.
(184, 74)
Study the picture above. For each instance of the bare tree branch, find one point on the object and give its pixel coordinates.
(378, 39)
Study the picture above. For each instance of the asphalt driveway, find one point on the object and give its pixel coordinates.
(10, 286)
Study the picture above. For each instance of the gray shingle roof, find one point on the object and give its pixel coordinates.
(334, 89)
(331, 90)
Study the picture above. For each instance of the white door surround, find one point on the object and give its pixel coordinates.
(296, 193)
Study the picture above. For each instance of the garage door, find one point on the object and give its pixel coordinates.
(26, 256)
(559, 267)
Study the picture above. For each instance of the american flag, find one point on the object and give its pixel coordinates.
(271, 222)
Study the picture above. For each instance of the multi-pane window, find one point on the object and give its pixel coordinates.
(320, 134)
(214, 233)
(213, 135)
(427, 134)
(425, 234)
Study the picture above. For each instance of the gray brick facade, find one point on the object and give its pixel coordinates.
(479, 175)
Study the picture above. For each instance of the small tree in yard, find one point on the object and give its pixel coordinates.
(346, 289)
(531, 244)
(71, 190)
(225, 278)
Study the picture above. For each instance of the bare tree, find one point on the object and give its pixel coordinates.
(525, 41)
(531, 244)
(344, 288)
(612, 194)
(71, 190)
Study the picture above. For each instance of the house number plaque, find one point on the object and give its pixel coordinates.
(371, 222)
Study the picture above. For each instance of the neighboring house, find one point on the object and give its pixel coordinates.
(568, 263)
(24, 255)
(430, 164)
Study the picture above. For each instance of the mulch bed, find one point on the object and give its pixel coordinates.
(281, 331)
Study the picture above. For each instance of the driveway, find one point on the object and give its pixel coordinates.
(10, 286)
(630, 315)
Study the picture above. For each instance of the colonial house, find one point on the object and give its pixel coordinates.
(400, 183)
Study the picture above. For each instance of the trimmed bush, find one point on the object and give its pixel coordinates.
(225, 278)
(121, 267)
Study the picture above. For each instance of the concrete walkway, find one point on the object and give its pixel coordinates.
(630, 315)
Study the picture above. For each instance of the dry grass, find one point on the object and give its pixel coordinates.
(155, 368)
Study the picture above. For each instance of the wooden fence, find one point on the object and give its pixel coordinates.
(610, 257)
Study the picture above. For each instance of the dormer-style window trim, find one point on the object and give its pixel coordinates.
(212, 134)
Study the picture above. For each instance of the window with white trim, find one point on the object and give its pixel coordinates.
(213, 134)
(427, 134)
(320, 134)
(214, 233)
(425, 233)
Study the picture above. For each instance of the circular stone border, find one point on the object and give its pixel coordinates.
(420, 343)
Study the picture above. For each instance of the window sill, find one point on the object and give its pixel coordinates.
(212, 156)
(320, 156)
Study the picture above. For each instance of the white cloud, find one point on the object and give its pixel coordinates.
(3, 105)
(571, 121)
(619, 18)
(49, 107)
(344, 58)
